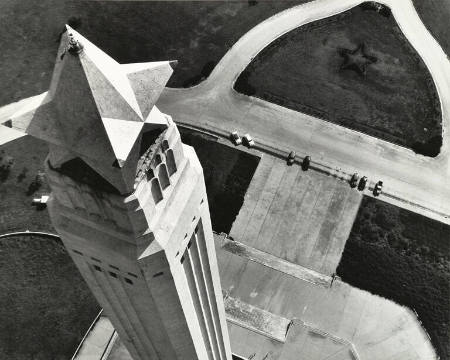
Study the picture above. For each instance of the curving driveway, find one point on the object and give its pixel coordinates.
(412, 181)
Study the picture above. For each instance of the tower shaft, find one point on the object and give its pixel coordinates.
(149, 256)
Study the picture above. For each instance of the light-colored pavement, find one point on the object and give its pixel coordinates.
(377, 328)
(303, 217)
(412, 181)
(98, 340)
(214, 105)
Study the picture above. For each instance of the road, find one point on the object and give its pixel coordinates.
(412, 181)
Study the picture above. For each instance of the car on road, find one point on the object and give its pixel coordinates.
(235, 138)
(354, 180)
(306, 163)
(248, 140)
(291, 158)
(362, 183)
(378, 188)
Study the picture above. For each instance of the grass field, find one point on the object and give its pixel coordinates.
(395, 100)
(16, 190)
(405, 257)
(45, 305)
(227, 173)
(435, 15)
(196, 33)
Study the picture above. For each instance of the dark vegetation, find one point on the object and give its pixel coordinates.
(404, 257)
(394, 98)
(435, 15)
(36, 184)
(45, 305)
(22, 182)
(227, 172)
(196, 33)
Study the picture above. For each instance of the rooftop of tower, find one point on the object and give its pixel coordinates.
(98, 110)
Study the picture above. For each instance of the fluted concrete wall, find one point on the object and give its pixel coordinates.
(149, 257)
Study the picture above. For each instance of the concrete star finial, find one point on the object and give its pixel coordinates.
(96, 107)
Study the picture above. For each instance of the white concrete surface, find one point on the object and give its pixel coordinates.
(415, 182)
(421, 182)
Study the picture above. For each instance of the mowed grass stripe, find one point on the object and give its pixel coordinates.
(277, 212)
(264, 202)
(342, 231)
(251, 197)
(328, 228)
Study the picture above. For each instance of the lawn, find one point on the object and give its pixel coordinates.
(45, 305)
(17, 188)
(228, 173)
(404, 257)
(395, 100)
(435, 15)
(197, 34)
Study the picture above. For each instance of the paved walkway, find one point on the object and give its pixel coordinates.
(422, 183)
(413, 181)
(98, 340)
(377, 328)
(303, 217)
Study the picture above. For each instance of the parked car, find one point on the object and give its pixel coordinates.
(354, 180)
(378, 188)
(248, 140)
(306, 163)
(291, 158)
(235, 138)
(362, 183)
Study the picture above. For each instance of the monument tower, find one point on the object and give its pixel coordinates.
(129, 202)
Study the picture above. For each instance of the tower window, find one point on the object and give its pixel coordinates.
(95, 259)
(113, 274)
(182, 259)
(98, 268)
(150, 174)
(78, 252)
(128, 281)
(171, 164)
(193, 219)
(158, 274)
(189, 244)
(133, 275)
(114, 267)
(163, 176)
(156, 191)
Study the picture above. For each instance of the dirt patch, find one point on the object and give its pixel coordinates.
(404, 257)
(227, 173)
(306, 70)
(45, 305)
